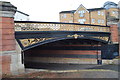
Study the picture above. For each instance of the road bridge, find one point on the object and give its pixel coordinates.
(26, 42)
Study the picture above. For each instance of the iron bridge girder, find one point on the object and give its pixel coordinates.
(57, 35)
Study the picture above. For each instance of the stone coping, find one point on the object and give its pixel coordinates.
(2, 53)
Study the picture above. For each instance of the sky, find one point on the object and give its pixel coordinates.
(48, 10)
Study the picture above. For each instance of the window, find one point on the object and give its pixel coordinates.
(99, 21)
(102, 21)
(81, 21)
(63, 16)
(98, 12)
(102, 13)
(113, 12)
(81, 13)
(93, 20)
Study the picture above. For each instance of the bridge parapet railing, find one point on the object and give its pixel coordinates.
(58, 26)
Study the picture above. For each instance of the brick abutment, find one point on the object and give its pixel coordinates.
(10, 56)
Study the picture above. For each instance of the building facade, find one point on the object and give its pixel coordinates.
(105, 16)
(95, 16)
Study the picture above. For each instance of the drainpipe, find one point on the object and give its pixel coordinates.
(99, 59)
(22, 52)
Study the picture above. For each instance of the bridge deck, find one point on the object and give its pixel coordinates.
(31, 33)
(58, 26)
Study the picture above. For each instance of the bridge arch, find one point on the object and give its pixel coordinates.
(59, 39)
(65, 50)
(47, 51)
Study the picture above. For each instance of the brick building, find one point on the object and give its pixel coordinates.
(96, 16)
(106, 15)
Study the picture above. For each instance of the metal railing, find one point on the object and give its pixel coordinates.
(57, 26)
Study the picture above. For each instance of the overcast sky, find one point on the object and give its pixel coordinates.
(48, 10)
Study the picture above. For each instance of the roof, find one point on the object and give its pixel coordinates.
(22, 13)
(93, 9)
(71, 11)
(109, 3)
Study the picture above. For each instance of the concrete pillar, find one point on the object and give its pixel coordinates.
(10, 56)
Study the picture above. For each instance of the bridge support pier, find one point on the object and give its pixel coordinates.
(10, 53)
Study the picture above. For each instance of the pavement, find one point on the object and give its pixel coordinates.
(55, 66)
(68, 71)
(76, 71)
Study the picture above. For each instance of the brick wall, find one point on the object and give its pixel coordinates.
(67, 19)
(81, 52)
(61, 56)
(8, 38)
(8, 42)
(94, 15)
(114, 33)
(86, 15)
(10, 63)
(6, 60)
